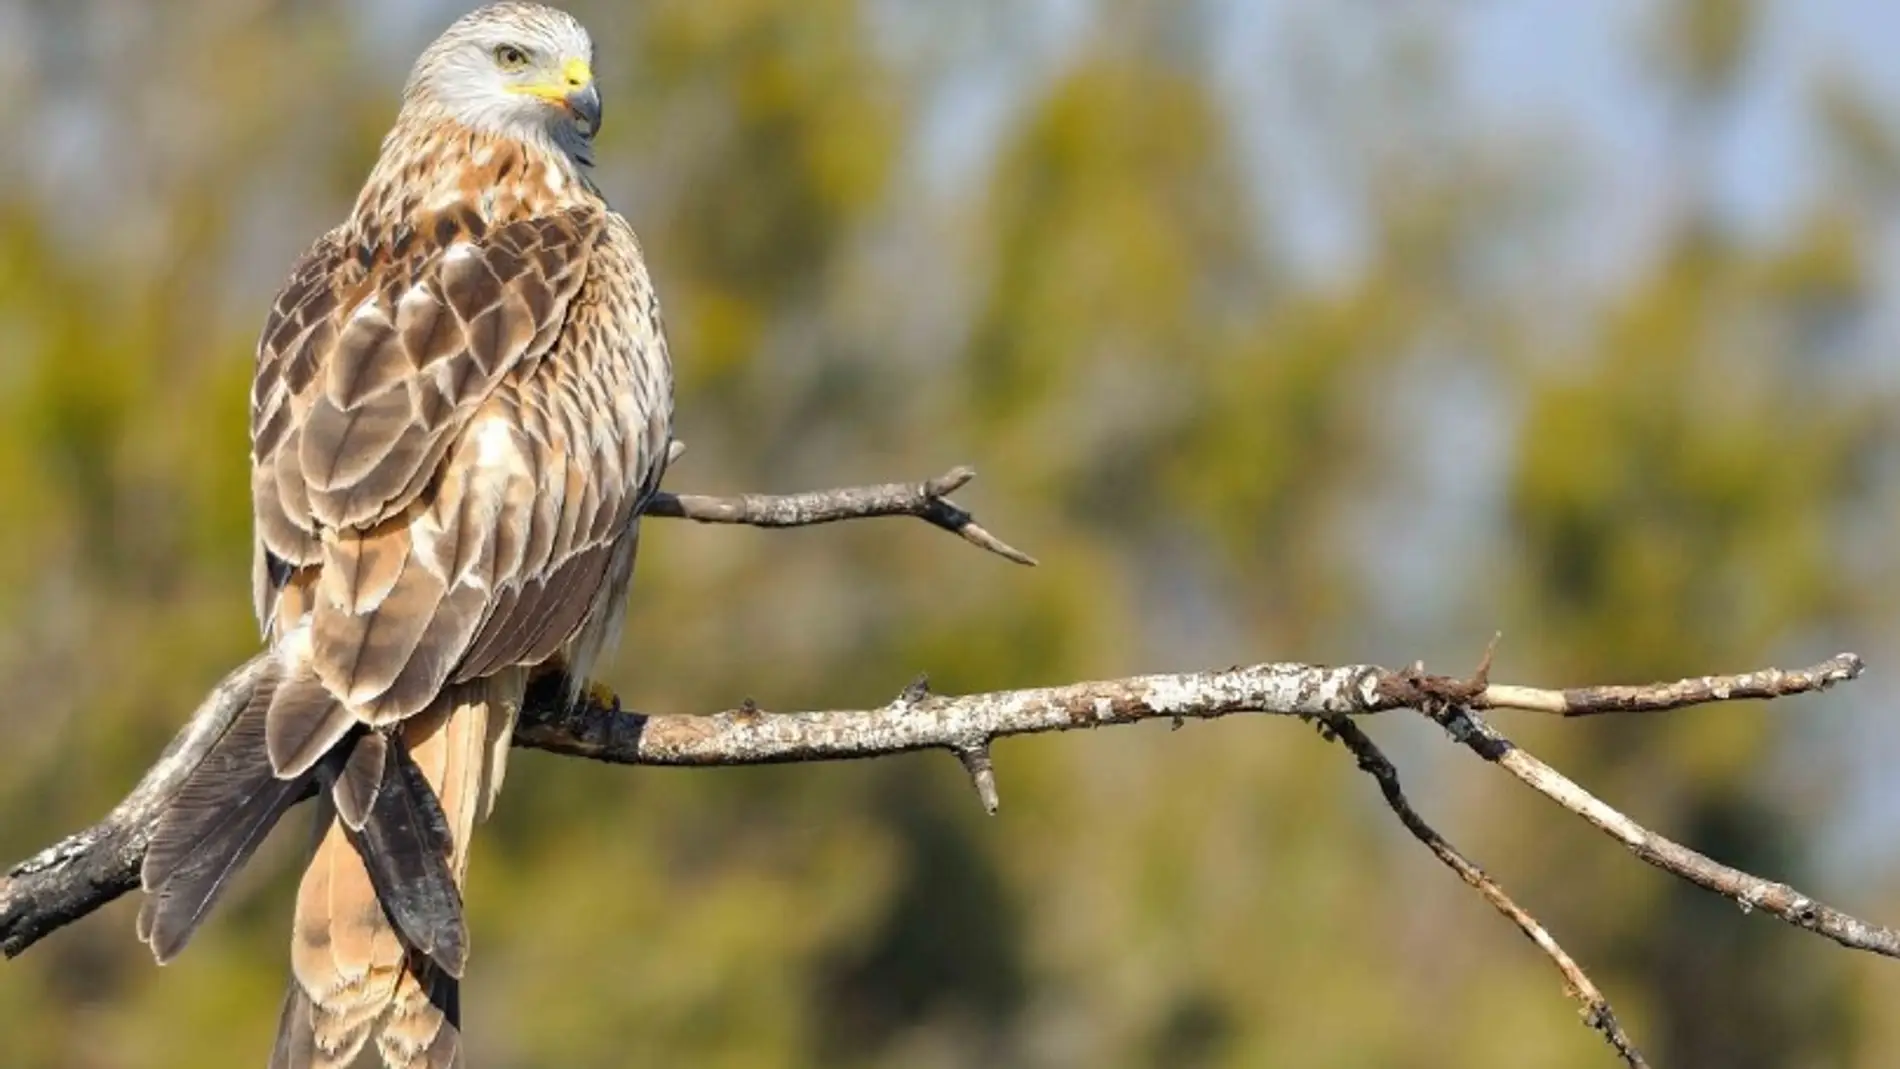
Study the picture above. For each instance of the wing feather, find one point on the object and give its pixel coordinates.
(455, 442)
(369, 361)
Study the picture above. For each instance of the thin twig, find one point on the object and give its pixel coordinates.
(928, 501)
(1596, 1011)
(1454, 704)
(1661, 697)
(1747, 890)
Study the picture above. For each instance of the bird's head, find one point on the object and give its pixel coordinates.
(514, 69)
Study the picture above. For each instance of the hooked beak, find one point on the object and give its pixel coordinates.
(574, 91)
(584, 104)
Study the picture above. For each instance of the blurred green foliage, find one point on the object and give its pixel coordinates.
(1219, 458)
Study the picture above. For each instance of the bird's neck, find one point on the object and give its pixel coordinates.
(431, 170)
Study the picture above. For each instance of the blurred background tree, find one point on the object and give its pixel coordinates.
(1279, 330)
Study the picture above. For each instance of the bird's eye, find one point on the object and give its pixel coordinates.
(511, 57)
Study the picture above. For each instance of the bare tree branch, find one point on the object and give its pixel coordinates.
(75, 876)
(1596, 1009)
(83, 872)
(1454, 703)
(79, 874)
(1749, 891)
(918, 720)
(928, 501)
(1595, 701)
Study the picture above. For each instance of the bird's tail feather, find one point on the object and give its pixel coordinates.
(214, 823)
(405, 847)
(377, 949)
(421, 1027)
(230, 802)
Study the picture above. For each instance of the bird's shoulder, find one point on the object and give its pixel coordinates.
(380, 349)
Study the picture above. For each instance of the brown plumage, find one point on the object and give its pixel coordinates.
(462, 401)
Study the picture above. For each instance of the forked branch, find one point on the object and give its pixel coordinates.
(929, 501)
(1454, 704)
(1595, 1009)
(79, 874)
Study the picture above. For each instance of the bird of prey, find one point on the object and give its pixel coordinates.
(462, 402)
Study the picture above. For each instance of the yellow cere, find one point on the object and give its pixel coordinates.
(575, 74)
